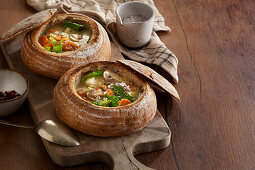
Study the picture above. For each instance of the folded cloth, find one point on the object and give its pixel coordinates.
(155, 52)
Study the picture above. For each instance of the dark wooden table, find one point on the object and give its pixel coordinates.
(213, 127)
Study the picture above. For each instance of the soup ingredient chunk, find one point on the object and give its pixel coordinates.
(107, 88)
(63, 37)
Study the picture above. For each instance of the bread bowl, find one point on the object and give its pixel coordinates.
(54, 65)
(51, 63)
(89, 118)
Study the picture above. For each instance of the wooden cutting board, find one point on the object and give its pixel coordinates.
(117, 152)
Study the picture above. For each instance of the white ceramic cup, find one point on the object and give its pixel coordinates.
(134, 34)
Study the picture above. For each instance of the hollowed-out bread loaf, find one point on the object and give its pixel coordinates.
(54, 65)
(88, 118)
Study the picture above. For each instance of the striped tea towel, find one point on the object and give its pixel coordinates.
(155, 52)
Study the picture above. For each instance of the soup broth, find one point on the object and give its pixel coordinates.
(107, 88)
(65, 36)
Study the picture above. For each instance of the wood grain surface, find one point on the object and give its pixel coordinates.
(213, 125)
(117, 152)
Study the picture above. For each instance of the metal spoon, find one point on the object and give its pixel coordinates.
(53, 131)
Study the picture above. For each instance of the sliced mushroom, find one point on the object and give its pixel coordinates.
(91, 96)
(82, 92)
(94, 94)
(75, 37)
(109, 75)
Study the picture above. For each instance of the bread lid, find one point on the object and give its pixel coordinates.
(28, 24)
(152, 75)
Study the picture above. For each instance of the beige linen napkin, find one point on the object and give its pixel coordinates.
(155, 52)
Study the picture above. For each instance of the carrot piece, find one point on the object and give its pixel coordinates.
(73, 44)
(67, 47)
(104, 87)
(110, 92)
(49, 45)
(82, 93)
(43, 40)
(51, 30)
(98, 87)
(123, 102)
(58, 37)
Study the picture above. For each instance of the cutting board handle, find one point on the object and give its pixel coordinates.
(131, 164)
(123, 158)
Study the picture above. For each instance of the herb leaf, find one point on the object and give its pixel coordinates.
(73, 25)
(97, 73)
(57, 48)
(120, 93)
(104, 102)
(47, 48)
(110, 101)
(114, 100)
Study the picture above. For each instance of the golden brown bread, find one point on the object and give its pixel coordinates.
(28, 24)
(152, 75)
(54, 65)
(97, 120)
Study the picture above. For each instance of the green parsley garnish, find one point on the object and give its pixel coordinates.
(114, 100)
(120, 93)
(57, 47)
(104, 102)
(47, 48)
(110, 101)
(73, 25)
(97, 73)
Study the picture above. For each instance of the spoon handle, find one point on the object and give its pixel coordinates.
(15, 125)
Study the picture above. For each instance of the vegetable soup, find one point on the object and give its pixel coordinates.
(107, 88)
(65, 36)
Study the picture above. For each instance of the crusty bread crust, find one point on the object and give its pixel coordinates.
(28, 24)
(54, 65)
(97, 120)
(152, 76)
